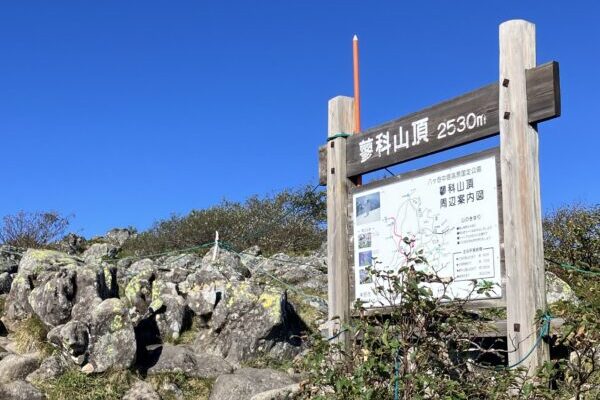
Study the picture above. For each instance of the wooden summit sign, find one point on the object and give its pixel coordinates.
(500, 186)
(464, 119)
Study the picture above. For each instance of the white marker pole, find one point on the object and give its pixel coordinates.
(216, 248)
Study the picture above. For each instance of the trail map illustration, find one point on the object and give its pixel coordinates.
(451, 215)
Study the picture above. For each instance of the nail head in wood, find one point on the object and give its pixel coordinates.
(506, 115)
(332, 171)
(517, 327)
(505, 82)
(332, 144)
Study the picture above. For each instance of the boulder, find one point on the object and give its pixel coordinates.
(138, 292)
(53, 300)
(249, 321)
(5, 282)
(169, 309)
(141, 391)
(73, 339)
(9, 258)
(557, 290)
(112, 338)
(184, 359)
(244, 383)
(284, 393)
(118, 236)
(35, 269)
(72, 244)
(50, 368)
(20, 390)
(87, 296)
(226, 263)
(99, 251)
(16, 306)
(14, 367)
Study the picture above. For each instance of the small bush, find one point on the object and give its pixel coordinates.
(427, 349)
(291, 221)
(32, 229)
(572, 235)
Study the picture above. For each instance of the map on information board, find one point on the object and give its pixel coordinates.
(451, 214)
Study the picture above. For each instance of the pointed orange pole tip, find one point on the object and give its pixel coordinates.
(356, 85)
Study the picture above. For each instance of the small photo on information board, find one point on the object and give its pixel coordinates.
(450, 211)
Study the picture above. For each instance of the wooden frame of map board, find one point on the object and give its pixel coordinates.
(495, 153)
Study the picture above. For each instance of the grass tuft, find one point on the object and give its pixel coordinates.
(31, 336)
(191, 388)
(73, 384)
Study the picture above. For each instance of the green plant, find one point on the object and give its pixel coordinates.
(292, 221)
(191, 388)
(426, 347)
(110, 385)
(30, 335)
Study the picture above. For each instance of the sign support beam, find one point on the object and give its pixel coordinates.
(341, 121)
(523, 250)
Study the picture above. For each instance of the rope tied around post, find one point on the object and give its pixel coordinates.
(339, 135)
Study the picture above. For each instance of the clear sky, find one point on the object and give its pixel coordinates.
(122, 112)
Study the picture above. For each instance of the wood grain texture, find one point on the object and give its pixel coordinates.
(543, 98)
(340, 121)
(526, 287)
(323, 165)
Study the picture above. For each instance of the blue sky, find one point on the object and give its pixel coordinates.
(123, 112)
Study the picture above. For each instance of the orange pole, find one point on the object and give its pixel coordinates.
(356, 85)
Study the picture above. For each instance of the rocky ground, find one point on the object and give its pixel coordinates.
(175, 327)
(82, 323)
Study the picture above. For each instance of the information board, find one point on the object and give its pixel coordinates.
(449, 211)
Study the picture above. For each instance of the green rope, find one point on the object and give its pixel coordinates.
(339, 135)
(569, 267)
(544, 331)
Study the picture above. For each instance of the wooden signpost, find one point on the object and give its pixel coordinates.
(512, 107)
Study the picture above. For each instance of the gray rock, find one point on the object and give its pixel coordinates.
(99, 251)
(50, 368)
(73, 339)
(34, 270)
(557, 290)
(20, 390)
(226, 263)
(88, 292)
(118, 236)
(169, 309)
(141, 391)
(247, 382)
(9, 258)
(250, 321)
(284, 393)
(16, 307)
(112, 338)
(184, 359)
(53, 300)
(14, 367)
(72, 244)
(36, 261)
(5, 282)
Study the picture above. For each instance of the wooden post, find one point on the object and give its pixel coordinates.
(340, 121)
(523, 249)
